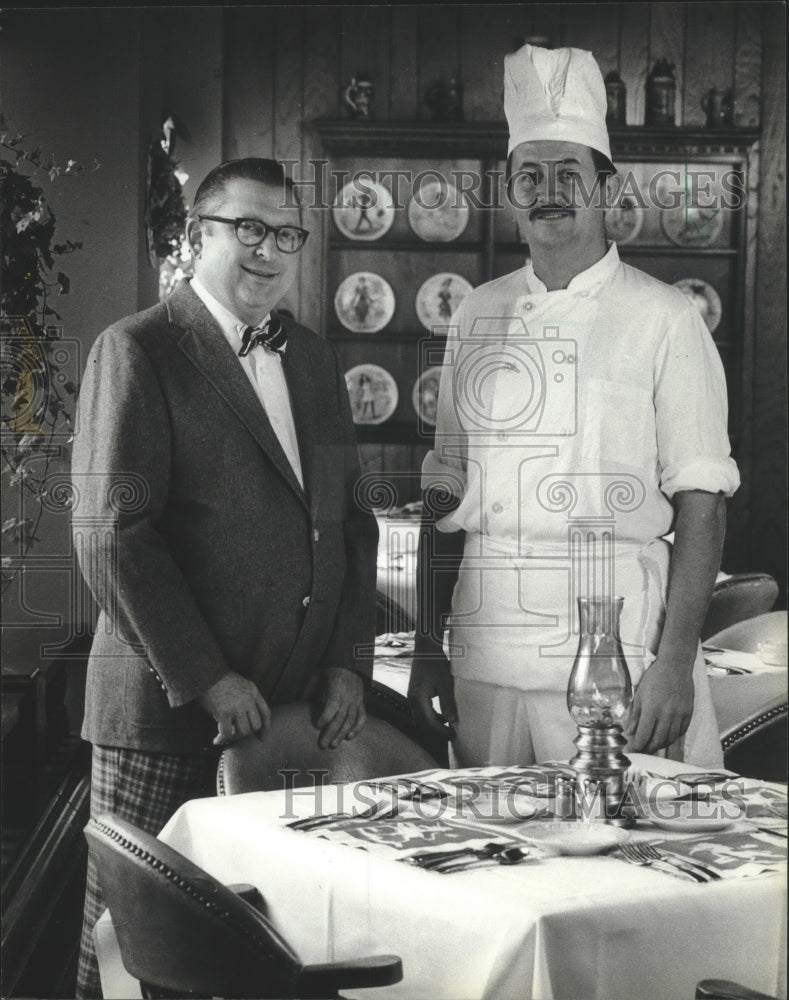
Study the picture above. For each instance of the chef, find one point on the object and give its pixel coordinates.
(581, 420)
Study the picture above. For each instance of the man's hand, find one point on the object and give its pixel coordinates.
(238, 707)
(663, 702)
(662, 706)
(430, 677)
(343, 715)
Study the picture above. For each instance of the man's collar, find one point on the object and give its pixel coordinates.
(599, 272)
(224, 317)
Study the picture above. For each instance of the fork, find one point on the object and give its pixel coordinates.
(693, 866)
(631, 853)
(642, 853)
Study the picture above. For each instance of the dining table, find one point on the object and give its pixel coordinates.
(494, 883)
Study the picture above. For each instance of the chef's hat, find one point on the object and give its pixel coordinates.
(555, 94)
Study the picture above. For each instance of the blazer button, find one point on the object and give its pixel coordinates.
(316, 535)
(306, 600)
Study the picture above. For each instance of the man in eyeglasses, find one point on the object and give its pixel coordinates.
(216, 459)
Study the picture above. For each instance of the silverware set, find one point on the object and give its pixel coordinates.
(641, 853)
(465, 858)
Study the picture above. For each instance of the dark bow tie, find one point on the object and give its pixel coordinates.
(272, 336)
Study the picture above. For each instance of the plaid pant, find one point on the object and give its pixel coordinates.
(145, 788)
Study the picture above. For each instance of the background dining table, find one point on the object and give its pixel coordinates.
(562, 927)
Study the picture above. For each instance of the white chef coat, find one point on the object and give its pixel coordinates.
(264, 370)
(566, 422)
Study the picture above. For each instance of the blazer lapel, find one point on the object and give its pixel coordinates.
(206, 348)
(303, 400)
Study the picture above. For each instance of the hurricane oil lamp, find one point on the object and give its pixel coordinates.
(599, 694)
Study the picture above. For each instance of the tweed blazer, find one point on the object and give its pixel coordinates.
(201, 548)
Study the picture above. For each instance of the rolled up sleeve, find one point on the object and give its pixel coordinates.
(691, 411)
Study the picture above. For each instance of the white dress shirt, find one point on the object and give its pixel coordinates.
(264, 370)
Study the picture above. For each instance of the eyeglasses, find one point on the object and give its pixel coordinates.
(252, 232)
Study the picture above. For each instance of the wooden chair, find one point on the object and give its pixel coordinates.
(184, 934)
(744, 595)
(291, 745)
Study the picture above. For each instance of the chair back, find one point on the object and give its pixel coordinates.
(741, 596)
(756, 747)
(383, 702)
(391, 616)
(289, 755)
(747, 636)
(179, 928)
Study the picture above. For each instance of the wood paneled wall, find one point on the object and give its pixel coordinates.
(284, 67)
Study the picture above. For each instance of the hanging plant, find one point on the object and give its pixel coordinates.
(37, 388)
(166, 212)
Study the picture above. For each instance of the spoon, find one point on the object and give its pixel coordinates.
(431, 859)
(484, 856)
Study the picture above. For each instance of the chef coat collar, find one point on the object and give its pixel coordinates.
(592, 277)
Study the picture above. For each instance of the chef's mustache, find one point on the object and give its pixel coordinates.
(539, 209)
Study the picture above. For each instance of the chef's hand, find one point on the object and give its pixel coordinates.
(431, 676)
(238, 707)
(662, 706)
(342, 716)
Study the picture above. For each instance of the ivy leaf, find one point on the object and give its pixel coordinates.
(21, 473)
(28, 442)
(18, 528)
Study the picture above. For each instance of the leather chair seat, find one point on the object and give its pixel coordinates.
(182, 933)
(290, 745)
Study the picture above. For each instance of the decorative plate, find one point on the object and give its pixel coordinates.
(576, 838)
(364, 302)
(623, 222)
(364, 210)
(373, 394)
(424, 395)
(704, 298)
(438, 212)
(439, 297)
(691, 226)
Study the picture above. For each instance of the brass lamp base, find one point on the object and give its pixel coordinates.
(600, 769)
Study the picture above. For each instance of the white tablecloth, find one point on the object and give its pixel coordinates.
(564, 928)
